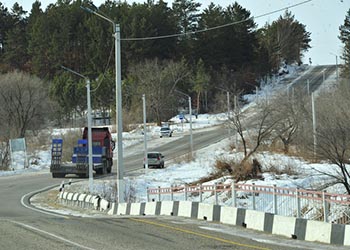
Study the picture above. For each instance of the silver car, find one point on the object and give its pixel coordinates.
(155, 159)
(165, 131)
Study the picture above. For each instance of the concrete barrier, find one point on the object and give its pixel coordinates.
(104, 205)
(283, 225)
(228, 215)
(318, 231)
(135, 209)
(291, 227)
(122, 208)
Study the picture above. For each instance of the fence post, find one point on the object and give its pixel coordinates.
(233, 194)
(200, 192)
(158, 193)
(216, 194)
(253, 187)
(185, 192)
(147, 194)
(325, 208)
(298, 203)
(274, 199)
(172, 192)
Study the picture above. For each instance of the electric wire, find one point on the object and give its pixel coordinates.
(216, 27)
(104, 73)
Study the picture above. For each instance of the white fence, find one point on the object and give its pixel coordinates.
(308, 204)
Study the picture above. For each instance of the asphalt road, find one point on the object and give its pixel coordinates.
(315, 78)
(176, 146)
(23, 227)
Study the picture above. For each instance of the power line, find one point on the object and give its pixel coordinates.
(214, 28)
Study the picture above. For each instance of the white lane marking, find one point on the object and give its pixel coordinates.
(52, 235)
(38, 210)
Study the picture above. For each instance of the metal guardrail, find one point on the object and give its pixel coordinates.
(300, 203)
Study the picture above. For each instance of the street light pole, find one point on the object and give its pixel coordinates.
(190, 111)
(191, 138)
(144, 131)
(91, 180)
(119, 115)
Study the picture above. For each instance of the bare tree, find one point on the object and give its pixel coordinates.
(291, 113)
(23, 103)
(259, 122)
(157, 80)
(333, 133)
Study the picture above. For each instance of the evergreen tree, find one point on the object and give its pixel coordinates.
(345, 39)
(15, 44)
(287, 40)
(186, 14)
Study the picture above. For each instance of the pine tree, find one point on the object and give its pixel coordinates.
(345, 39)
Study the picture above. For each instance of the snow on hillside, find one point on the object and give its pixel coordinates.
(176, 173)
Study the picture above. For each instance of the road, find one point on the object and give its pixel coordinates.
(315, 78)
(178, 145)
(23, 227)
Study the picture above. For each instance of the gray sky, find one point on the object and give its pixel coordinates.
(321, 17)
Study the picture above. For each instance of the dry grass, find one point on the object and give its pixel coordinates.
(184, 158)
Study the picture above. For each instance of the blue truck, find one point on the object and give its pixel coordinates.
(102, 155)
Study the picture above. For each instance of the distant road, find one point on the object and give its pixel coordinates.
(315, 77)
(176, 147)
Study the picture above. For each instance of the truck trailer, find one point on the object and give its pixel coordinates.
(102, 154)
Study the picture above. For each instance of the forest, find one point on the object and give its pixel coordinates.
(203, 52)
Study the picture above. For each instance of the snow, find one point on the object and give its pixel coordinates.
(305, 174)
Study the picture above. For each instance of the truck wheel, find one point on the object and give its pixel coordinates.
(109, 167)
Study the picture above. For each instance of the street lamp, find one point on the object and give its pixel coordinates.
(144, 131)
(190, 111)
(336, 63)
(119, 116)
(91, 181)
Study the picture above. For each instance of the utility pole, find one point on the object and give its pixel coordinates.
(314, 123)
(191, 138)
(91, 174)
(119, 115)
(145, 131)
(190, 112)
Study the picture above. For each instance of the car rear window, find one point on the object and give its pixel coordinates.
(151, 155)
(164, 129)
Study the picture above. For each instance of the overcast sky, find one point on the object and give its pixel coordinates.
(321, 17)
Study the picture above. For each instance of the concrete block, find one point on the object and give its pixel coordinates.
(205, 211)
(347, 236)
(150, 208)
(75, 196)
(113, 209)
(64, 196)
(135, 208)
(318, 231)
(82, 197)
(167, 208)
(104, 205)
(96, 202)
(122, 207)
(255, 220)
(283, 225)
(228, 215)
(70, 196)
(185, 209)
